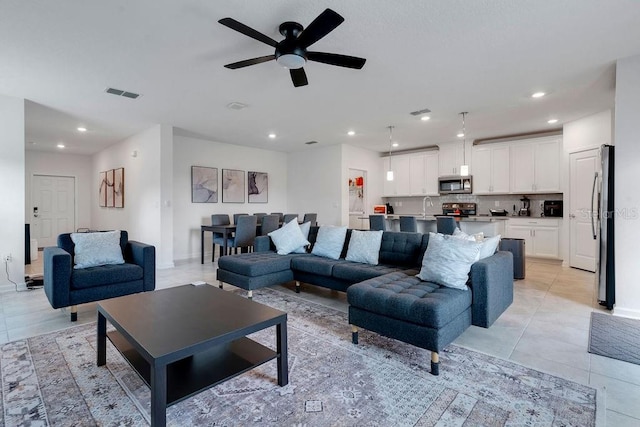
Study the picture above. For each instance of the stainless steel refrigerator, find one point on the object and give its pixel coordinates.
(602, 222)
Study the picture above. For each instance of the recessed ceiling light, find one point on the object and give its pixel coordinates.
(552, 121)
(460, 135)
(395, 144)
(425, 118)
(538, 95)
(351, 133)
(61, 145)
(81, 129)
(272, 136)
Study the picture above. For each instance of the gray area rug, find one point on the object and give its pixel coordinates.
(53, 380)
(615, 337)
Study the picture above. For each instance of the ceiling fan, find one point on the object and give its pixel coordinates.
(292, 52)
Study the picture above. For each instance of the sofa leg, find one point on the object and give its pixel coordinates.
(435, 363)
(74, 313)
(297, 287)
(354, 334)
(220, 284)
(250, 294)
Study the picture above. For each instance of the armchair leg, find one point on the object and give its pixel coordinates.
(74, 313)
(220, 284)
(297, 287)
(250, 294)
(354, 334)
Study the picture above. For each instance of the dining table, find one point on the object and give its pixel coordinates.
(225, 230)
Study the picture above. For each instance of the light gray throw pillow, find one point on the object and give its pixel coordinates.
(447, 260)
(304, 228)
(329, 241)
(288, 238)
(364, 246)
(93, 249)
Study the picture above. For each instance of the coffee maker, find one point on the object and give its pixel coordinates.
(524, 210)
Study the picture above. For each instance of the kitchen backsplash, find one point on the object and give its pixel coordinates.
(413, 205)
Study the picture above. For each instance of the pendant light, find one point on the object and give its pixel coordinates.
(390, 172)
(464, 168)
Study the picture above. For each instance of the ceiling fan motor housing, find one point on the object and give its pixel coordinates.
(288, 53)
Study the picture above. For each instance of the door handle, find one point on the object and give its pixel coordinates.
(572, 216)
(593, 195)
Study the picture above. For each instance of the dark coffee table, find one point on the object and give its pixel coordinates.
(189, 338)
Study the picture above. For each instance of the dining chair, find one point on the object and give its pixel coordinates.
(289, 217)
(445, 224)
(280, 216)
(408, 224)
(311, 217)
(260, 215)
(377, 223)
(269, 224)
(236, 215)
(218, 219)
(245, 234)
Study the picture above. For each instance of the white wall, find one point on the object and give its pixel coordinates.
(627, 197)
(60, 164)
(141, 215)
(583, 134)
(12, 194)
(188, 216)
(316, 179)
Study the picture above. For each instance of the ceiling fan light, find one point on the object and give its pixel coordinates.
(291, 61)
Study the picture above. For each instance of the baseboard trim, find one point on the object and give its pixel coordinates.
(626, 312)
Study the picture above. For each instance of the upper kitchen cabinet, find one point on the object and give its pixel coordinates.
(401, 184)
(424, 170)
(490, 169)
(451, 156)
(535, 166)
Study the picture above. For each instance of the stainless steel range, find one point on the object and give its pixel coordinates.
(459, 209)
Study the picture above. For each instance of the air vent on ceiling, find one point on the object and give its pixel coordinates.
(420, 112)
(124, 93)
(236, 106)
(311, 142)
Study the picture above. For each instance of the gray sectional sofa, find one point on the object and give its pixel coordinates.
(386, 298)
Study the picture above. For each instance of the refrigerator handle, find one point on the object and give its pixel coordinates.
(593, 197)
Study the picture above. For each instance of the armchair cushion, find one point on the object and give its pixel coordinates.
(93, 249)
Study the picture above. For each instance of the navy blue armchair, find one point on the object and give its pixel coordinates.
(68, 287)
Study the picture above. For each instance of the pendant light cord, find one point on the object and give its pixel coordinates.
(390, 143)
(464, 139)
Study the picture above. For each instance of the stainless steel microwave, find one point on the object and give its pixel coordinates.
(454, 185)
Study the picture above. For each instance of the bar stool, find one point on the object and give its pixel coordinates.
(377, 223)
(445, 224)
(408, 224)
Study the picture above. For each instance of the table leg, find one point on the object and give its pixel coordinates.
(225, 236)
(102, 340)
(283, 364)
(201, 246)
(158, 395)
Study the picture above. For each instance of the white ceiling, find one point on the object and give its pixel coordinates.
(483, 56)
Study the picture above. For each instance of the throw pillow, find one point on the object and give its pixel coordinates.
(364, 246)
(329, 241)
(288, 238)
(304, 228)
(478, 237)
(489, 246)
(93, 249)
(447, 260)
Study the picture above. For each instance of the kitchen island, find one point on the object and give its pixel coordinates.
(489, 225)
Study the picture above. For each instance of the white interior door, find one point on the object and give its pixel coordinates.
(582, 167)
(52, 208)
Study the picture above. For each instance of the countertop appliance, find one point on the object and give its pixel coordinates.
(459, 209)
(525, 209)
(552, 208)
(602, 203)
(498, 212)
(454, 185)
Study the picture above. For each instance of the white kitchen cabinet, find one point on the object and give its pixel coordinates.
(424, 174)
(400, 186)
(541, 236)
(491, 167)
(450, 157)
(535, 166)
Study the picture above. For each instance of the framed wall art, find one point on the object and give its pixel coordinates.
(258, 187)
(118, 188)
(110, 193)
(204, 184)
(232, 186)
(102, 192)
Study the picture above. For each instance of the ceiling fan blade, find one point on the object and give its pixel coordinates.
(252, 61)
(247, 31)
(336, 59)
(324, 23)
(299, 77)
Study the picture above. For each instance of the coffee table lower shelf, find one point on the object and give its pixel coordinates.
(203, 370)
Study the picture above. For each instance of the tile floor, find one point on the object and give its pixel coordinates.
(546, 327)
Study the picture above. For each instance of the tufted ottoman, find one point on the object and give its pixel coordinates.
(405, 308)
